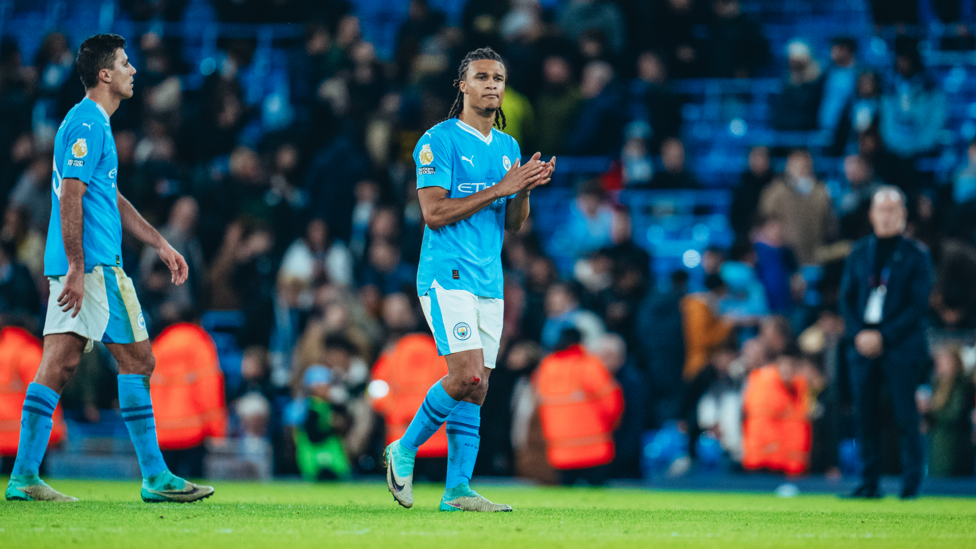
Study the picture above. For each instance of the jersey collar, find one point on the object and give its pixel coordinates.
(476, 133)
(100, 109)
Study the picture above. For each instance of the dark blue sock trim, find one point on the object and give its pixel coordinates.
(460, 433)
(40, 401)
(38, 411)
(459, 424)
(436, 410)
(136, 418)
(432, 413)
(423, 408)
(136, 409)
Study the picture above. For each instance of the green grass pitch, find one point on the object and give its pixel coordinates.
(294, 515)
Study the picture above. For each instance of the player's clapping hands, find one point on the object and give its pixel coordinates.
(525, 177)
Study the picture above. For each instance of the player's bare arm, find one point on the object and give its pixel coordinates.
(72, 227)
(135, 224)
(517, 209)
(439, 210)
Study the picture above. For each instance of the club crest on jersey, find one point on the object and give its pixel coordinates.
(462, 331)
(80, 148)
(426, 155)
(506, 163)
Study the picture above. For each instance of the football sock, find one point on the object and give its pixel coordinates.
(436, 407)
(35, 429)
(462, 443)
(136, 408)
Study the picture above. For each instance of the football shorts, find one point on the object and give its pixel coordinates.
(462, 321)
(110, 311)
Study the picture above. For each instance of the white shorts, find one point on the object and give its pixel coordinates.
(462, 321)
(110, 311)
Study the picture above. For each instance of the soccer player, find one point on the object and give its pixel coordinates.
(91, 297)
(472, 188)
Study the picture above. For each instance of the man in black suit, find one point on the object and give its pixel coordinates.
(884, 299)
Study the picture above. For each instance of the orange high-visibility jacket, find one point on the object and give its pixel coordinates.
(409, 370)
(20, 357)
(580, 404)
(187, 388)
(776, 431)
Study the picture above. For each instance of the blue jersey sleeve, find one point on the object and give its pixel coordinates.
(84, 140)
(434, 160)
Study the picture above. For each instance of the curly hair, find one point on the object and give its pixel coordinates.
(479, 54)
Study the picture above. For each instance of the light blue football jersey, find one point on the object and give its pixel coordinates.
(84, 149)
(465, 255)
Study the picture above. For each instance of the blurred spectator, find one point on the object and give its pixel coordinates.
(557, 105)
(715, 381)
(316, 258)
(578, 16)
(883, 298)
(840, 80)
(401, 378)
(801, 201)
(776, 266)
(745, 197)
(580, 406)
(674, 31)
(350, 379)
(913, 112)
(18, 293)
(20, 358)
(638, 168)
(661, 106)
(318, 440)
(181, 232)
(703, 328)
(735, 47)
(946, 415)
(367, 194)
(856, 198)
(33, 192)
(386, 271)
(776, 428)
(675, 174)
(797, 107)
(660, 348)
(28, 244)
(528, 443)
(964, 182)
(598, 127)
(745, 299)
(563, 310)
(625, 253)
(612, 352)
(589, 224)
(953, 299)
(861, 114)
(188, 390)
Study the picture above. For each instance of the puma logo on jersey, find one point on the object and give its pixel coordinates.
(87, 124)
(470, 160)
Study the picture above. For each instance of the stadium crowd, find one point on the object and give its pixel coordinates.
(293, 201)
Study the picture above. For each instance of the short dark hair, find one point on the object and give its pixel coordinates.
(97, 53)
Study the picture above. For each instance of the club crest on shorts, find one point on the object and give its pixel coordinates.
(506, 163)
(462, 331)
(426, 155)
(141, 322)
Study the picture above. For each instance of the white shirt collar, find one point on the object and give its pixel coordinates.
(468, 128)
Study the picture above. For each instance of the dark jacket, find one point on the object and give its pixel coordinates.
(906, 302)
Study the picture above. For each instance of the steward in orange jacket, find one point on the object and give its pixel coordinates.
(408, 371)
(580, 405)
(187, 388)
(20, 358)
(776, 431)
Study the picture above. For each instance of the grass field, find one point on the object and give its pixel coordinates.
(292, 515)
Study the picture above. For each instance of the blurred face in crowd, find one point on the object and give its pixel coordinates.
(772, 337)
(888, 214)
(620, 230)
(673, 155)
(841, 55)
(338, 359)
(726, 8)
(596, 76)
(397, 313)
(317, 234)
(556, 70)
(383, 256)
(612, 352)
(589, 203)
(947, 363)
(559, 301)
(650, 68)
(759, 161)
(712, 261)
(184, 214)
(484, 85)
(254, 365)
(799, 165)
(867, 85)
(856, 170)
